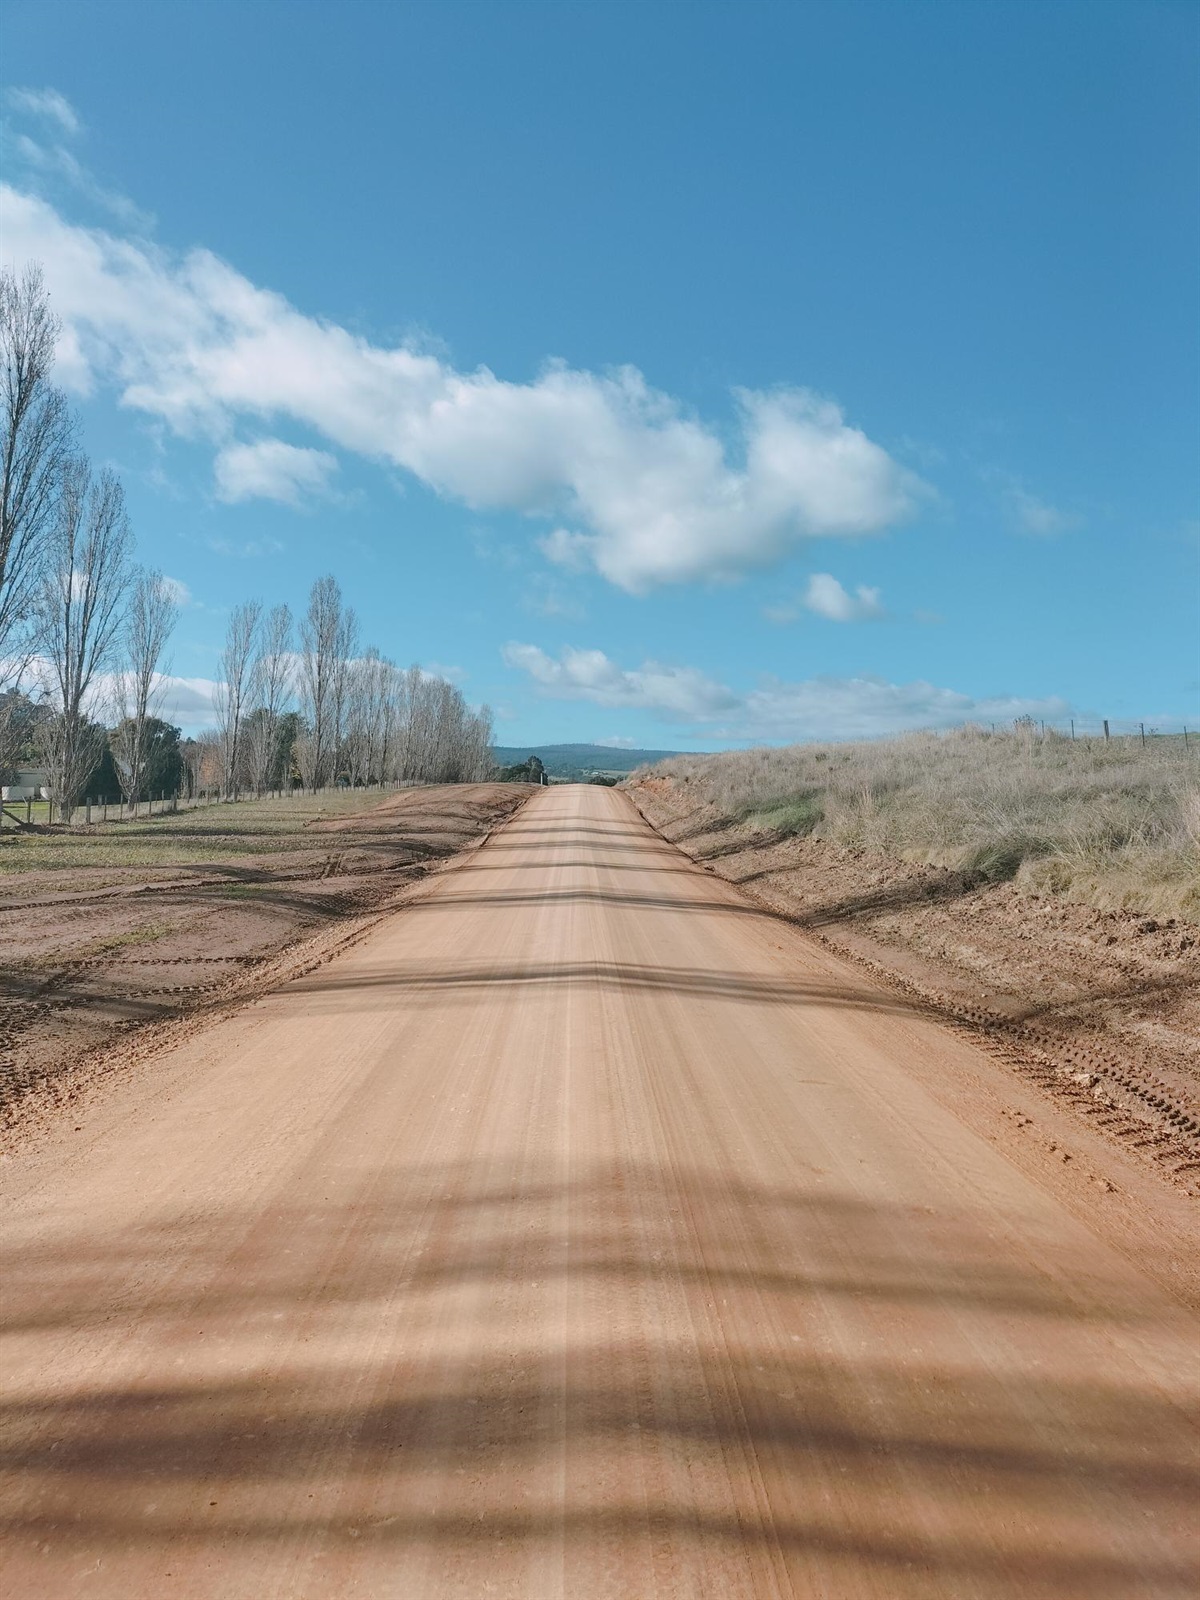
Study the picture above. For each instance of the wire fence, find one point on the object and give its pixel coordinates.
(1107, 730)
(90, 812)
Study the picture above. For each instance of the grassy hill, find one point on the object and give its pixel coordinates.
(574, 761)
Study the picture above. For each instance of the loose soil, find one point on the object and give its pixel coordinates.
(1102, 1007)
(189, 913)
(587, 1230)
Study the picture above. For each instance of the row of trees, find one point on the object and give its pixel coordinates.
(309, 703)
(88, 630)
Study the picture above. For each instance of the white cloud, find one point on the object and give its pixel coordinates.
(48, 156)
(1039, 517)
(654, 494)
(775, 711)
(827, 598)
(188, 702)
(863, 708)
(446, 674)
(248, 550)
(615, 742)
(682, 693)
(176, 591)
(272, 470)
(47, 104)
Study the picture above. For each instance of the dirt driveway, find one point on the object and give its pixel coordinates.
(585, 1231)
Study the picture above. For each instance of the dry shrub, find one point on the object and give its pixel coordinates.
(1111, 824)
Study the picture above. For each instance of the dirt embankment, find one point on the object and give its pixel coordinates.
(207, 909)
(1103, 1007)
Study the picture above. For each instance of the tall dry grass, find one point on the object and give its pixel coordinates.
(1111, 824)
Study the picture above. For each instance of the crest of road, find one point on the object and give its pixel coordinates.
(583, 1231)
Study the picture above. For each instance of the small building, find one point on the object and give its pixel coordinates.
(28, 783)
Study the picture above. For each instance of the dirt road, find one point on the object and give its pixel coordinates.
(583, 1232)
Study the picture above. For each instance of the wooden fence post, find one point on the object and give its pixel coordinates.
(1106, 730)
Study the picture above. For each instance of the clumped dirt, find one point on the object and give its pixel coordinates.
(92, 955)
(1102, 1006)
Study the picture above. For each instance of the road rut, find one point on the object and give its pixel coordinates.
(582, 1232)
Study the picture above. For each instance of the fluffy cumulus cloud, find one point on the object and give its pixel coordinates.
(187, 702)
(819, 708)
(634, 486)
(682, 694)
(269, 469)
(827, 598)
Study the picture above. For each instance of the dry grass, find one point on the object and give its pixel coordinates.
(207, 834)
(1111, 825)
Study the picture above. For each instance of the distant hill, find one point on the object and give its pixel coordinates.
(578, 760)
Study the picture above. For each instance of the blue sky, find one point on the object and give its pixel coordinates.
(685, 375)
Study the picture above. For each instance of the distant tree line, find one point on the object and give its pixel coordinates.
(307, 706)
(84, 633)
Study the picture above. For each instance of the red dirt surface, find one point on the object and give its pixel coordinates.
(587, 1231)
(90, 956)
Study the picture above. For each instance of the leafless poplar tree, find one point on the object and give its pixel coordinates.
(150, 618)
(78, 618)
(439, 739)
(203, 758)
(36, 434)
(346, 649)
(369, 683)
(322, 681)
(271, 690)
(231, 700)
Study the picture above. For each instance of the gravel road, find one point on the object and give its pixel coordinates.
(584, 1232)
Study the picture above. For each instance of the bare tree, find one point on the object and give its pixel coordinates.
(78, 617)
(149, 620)
(36, 434)
(271, 690)
(369, 682)
(433, 735)
(231, 700)
(345, 651)
(202, 757)
(322, 681)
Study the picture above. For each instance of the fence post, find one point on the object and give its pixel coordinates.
(1106, 730)
(1142, 726)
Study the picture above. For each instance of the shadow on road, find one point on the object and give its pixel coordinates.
(873, 1454)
